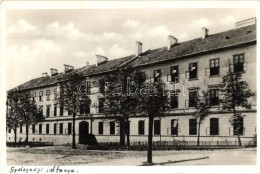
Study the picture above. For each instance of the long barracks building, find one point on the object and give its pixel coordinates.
(199, 64)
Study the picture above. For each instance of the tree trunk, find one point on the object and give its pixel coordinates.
(15, 135)
(73, 133)
(239, 140)
(128, 133)
(122, 132)
(27, 133)
(198, 140)
(150, 141)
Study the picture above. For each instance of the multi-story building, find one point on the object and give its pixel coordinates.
(198, 64)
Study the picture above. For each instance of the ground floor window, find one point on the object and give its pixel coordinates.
(193, 126)
(157, 127)
(141, 127)
(61, 128)
(239, 126)
(112, 128)
(21, 129)
(214, 126)
(33, 128)
(54, 128)
(174, 127)
(40, 128)
(100, 128)
(47, 128)
(69, 128)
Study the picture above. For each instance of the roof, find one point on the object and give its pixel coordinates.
(196, 46)
(212, 42)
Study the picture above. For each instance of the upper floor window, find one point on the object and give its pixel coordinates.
(84, 109)
(61, 110)
(239, 64)
(193, 71)
(174, 76)
(48, 109)
(40, 95)
(101, 86)
(55, 93)
(101, 106)
(214, 67)
(55, 110)
(174, 101)
(214, 97)
(192, 99)
(157, 75)
(48, 95)
(33, 96)
(41, 110)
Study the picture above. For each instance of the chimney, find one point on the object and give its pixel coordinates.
(54, 72)
(205, 33)
(68, 68)
(246, 22)
(171, 41)
(87, 64)
(138, 48)
(44, 74)
(101, 59)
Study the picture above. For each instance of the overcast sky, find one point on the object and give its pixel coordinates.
(38, 40)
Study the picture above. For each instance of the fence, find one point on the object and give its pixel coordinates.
(171, 145)
(30, 144)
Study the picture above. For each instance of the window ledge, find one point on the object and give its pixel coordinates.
(214, 76)
(193, 79)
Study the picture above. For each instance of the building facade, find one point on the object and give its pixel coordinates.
(185, 68)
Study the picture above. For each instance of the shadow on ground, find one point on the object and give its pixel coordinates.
(172, 162)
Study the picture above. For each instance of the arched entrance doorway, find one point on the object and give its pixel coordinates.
(83, 132)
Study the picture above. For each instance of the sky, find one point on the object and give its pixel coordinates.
(37, 40)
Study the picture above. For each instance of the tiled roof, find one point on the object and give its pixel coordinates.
(196, 46)
(212, 42)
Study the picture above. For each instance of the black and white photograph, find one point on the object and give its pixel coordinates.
(128, 84)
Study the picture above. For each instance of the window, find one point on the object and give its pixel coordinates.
(239, 126)
(193, 70)
(40, 96)
(193, 126)
(175, 74)
(69, 112)
(33, 96)
(55, 93)
(61, 128)
(88, 88)
(214, 97)
(214, 67)
(101, 106)
(40, 128)
(54, 128)
(100, 128)
(157, 127)
(9, 130)
(33, 128)
(21, 129)
(48, 95)
(48, 108)
(174, 101)
(214, 126)
(69, 128)
(101, 86)
(157, 75)
(47, 128)
(55, 110)
(112, 128)
(127, 127)
(174, 127)
(141, 127)
(84, 109)
(192, 99)
(61, 110)
(41, 110)
(239, 65)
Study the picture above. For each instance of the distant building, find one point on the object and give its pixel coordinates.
(199, 64)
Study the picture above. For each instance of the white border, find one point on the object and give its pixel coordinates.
(5, 5)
